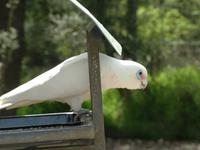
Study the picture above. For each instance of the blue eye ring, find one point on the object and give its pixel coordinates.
(139, 74)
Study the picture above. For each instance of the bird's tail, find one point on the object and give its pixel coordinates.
(3, 104)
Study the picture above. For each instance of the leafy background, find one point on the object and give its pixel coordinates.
(164, 35)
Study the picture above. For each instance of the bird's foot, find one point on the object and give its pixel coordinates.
(83, 115)
(83, 111)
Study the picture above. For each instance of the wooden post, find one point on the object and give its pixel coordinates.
(93, 46)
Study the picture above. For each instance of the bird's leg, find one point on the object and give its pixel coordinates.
(81, 113)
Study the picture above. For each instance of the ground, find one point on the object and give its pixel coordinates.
(119, 144)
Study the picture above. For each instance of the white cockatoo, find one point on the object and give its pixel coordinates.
(68, 82)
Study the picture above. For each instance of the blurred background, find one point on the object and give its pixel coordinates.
(164, 35)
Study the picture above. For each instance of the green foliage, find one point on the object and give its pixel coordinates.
(168, 108)
(46, 107)
(161, 31)
(167, 22)
(166, 33)
(8, 43)
(54, 31)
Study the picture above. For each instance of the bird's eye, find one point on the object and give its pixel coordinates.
(139, 74)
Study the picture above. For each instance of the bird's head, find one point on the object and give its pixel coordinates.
(141, 76)
(136, 75)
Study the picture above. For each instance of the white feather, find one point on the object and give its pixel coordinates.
(69, 82)
(105, 32)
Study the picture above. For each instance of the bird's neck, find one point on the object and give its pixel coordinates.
(114, 74)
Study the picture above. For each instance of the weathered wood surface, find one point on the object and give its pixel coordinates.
(46, 137)
(93, 47)
(91, 147)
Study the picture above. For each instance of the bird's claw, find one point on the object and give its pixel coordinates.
(83, 115)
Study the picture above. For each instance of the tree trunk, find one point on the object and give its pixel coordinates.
(3, 26)
(12, 68)
(131, 27)
(3, 14)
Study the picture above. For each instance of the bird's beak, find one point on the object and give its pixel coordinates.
(144, 84)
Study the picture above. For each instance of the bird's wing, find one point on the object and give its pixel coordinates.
(116, 45)
(4, 106)
(18, 104)
(40, 88)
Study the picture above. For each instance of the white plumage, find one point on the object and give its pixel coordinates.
(68, 82)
